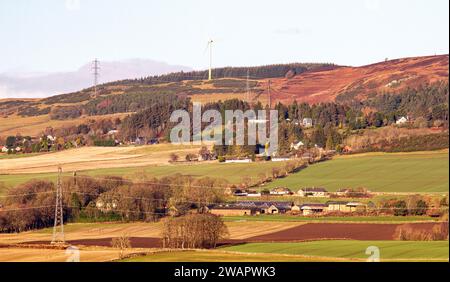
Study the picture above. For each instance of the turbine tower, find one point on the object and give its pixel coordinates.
(210, 42)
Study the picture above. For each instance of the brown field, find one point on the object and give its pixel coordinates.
(94, 231)
(46, 254)
(34, 126)
(86, 158)
(318, 231)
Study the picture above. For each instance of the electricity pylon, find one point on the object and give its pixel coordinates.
(58, 227)
(96, 73)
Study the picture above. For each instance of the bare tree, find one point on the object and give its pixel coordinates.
(122, 243)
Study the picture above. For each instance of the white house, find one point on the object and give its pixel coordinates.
(402, 120)
(238, 161)
(4, 149)
(280, 191)
(307, 122)
(313, 192)
(297, 146)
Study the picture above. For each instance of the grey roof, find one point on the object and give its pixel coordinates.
(314, 189)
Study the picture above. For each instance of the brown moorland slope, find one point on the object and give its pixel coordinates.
(384, 77)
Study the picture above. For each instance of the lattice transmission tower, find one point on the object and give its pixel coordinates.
(58, 227)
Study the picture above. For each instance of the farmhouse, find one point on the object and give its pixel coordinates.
(280, 191)
(311, 209)
(313, 192)
(5, 149)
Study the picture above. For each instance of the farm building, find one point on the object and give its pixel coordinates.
(313, 192)
(311, 209)
(232, 210)
(340, 206)
(250, 208)
(280, 191)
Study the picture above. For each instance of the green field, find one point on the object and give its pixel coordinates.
(327, 219)
(389, 250)
(233, 173)
(213, 256)
(395, 172)
(381, 172)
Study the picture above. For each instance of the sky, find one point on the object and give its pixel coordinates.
(62, 35)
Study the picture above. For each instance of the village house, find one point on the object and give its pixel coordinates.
(313, 192)
(311, 209)
(297, 146)
(402, 121)
(5, 149)
(280, 191)
(307, 122)
(106, 206)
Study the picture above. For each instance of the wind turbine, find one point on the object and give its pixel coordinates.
(210, 42)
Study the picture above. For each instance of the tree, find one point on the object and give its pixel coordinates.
(400, 208)
(10, 141)
(122, 243)
(329, 145)
(421, 208)
(174, 157)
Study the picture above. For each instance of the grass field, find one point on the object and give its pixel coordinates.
(233, 173)
(381, 172)
(389, 250)
(399, 172)
(356, 219)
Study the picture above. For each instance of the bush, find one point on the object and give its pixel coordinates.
(407, 232)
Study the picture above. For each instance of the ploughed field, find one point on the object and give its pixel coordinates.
(248, 241)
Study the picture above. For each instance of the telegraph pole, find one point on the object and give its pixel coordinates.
(58, 227)
(96, 73)
(247, 94)
(268, 93)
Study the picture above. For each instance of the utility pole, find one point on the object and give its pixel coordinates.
(58, 227)
(268, 93)
(247, 94)
(96, 73)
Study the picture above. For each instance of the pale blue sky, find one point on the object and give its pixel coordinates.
(59, 35)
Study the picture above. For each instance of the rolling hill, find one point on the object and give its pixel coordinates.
(311, 83)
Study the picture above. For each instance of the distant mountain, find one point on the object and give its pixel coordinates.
(38, 85)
